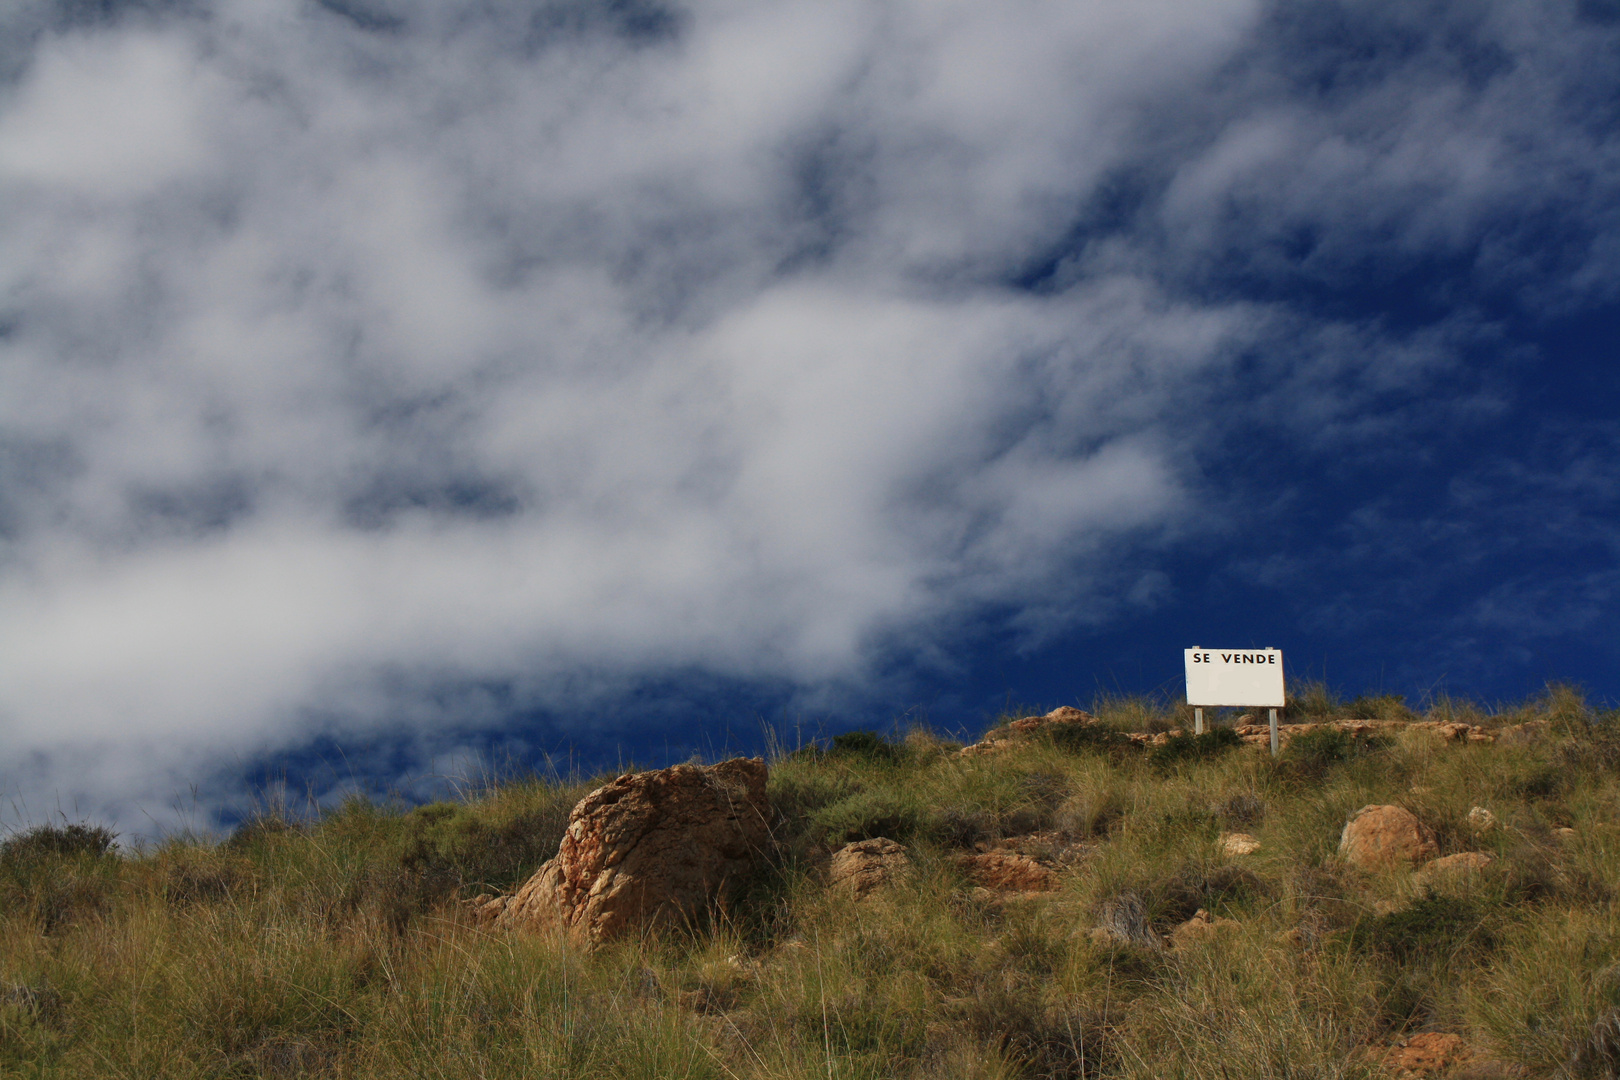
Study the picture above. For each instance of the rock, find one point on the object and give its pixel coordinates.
(1025, 726)
(486, 910)
(650, 848)
(1426, 1053)
(1385, 837)
(1007, 871)
(1481, 819)
(1233, 844)
(865, 865)
(1454, 866)
(1201, 927)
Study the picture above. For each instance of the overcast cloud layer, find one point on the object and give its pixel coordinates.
(355, 349)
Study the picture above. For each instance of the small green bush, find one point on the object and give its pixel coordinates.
(1184, 749)
(58, 840)
(1379, 707)
(1087, 739)
(1312, 753)
(867, 745)
(863, 816)
(1434, 926)
(452, 845)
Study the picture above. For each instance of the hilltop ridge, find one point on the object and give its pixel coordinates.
(1097, 894)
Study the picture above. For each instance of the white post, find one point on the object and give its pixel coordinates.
(1198, 721)
(1273, 732)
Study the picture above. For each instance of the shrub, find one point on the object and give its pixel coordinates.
(1313, 753)
(58, 840)
(1089, 813)
(1186, 749)
(260, 831)
(1087, 739)
(1241, 808)
(1379, 707)
(959, 826)
(452, 845)
(1433, 926)
(862, 816)
(866, 745)
(1044, 1042)
(1310, 700)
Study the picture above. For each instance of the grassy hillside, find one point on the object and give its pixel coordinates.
(337, 947)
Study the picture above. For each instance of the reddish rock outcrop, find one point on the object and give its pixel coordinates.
(1007, 871)
(650, 848)
(865, 865)
(1385, 837)
(1025, 726)
(1427, 1053)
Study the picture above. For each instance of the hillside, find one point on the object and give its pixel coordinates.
(1074, 902)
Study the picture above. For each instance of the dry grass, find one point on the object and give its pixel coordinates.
(336, 948)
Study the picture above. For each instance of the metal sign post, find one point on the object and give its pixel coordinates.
(1238, 677)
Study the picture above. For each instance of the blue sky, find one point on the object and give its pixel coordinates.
(389, 387)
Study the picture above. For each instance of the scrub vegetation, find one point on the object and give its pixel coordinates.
(338, 946)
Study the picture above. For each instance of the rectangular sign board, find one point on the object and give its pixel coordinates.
(1235, 677)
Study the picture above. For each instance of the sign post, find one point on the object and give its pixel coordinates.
(1241, 677)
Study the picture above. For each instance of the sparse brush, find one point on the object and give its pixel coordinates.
(333, 946)
(1088, 739)
(1185, 749)
(868, 746)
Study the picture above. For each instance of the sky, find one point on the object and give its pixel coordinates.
(393, 389)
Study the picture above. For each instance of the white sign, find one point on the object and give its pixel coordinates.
(1235, 677)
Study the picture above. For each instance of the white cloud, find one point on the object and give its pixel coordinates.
(490, 347)
(108, 116)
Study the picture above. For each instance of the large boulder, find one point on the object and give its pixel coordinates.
(650, 848)
(1386, 837)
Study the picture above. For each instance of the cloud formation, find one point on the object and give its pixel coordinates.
(357, 345)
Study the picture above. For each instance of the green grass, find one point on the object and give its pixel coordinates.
(336, 947)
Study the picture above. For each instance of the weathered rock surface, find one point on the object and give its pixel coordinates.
(650, 848)
(1385, 837)
(1454, 866)
(866, 865)
(1427, 1053)
(1233, 844)
(1481, 819)
(1007, 871)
